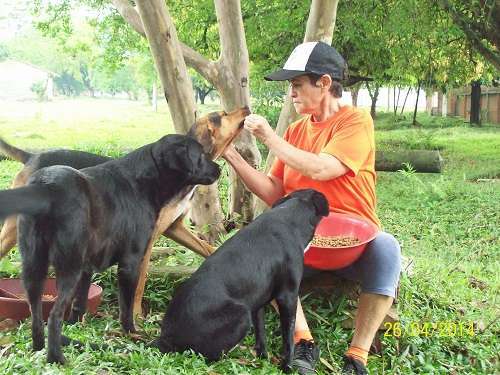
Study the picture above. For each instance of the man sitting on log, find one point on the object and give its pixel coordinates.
(331, 149)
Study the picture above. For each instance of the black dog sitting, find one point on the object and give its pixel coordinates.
(213, 310)
(84, 220)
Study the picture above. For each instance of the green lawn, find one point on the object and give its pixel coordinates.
(447, 223)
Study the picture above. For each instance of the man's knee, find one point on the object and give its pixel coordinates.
(381, 265)
(385, 250)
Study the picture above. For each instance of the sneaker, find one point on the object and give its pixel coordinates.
(305, 356)
(353, 366)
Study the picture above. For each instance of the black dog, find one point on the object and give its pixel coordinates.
(213, 310)
(89, 219)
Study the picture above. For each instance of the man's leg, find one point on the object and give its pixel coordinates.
(306, 352)
(372, 309)
(302, 330)
(378, 268)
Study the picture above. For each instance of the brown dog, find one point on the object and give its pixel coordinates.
(214, 132)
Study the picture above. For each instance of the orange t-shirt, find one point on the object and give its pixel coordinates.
(349, 136)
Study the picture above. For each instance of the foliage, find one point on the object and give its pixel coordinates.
(386, 45)
(479, 21)
(196, 25)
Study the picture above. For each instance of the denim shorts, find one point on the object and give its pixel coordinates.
(377, 269)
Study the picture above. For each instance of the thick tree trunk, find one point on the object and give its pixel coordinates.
(233, 86)
(206, 213)
(320, 26)
(167, 55)
(475, 103)
(424, 161)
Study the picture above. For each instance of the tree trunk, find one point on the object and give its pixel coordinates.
(424, 161)
(373, 92)
(206, 213)
(428, 100)
(475, 103)
(320, 26)
(440, 104)
(444, 106)
(404, 102)
(233, 86)
(354, 93)
(416, 104)
(167, 54)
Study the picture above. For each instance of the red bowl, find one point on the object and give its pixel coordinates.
(335, 224)
(18, 308)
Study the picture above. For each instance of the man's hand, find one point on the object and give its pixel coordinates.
(259, 127)
(229, 152)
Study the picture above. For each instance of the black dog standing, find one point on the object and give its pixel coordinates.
(79, 221)
(214, 309)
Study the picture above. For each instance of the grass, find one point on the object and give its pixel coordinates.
(447, 223)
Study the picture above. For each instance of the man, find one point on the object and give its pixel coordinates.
(331, 149)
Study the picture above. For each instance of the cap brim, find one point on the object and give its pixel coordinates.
(284, 75)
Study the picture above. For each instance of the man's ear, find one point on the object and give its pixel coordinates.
(324, 81)
(320, 204)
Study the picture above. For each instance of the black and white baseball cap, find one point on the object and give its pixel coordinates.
(312, 57)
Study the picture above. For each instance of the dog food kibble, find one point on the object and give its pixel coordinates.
(45, 297)
(334, 241)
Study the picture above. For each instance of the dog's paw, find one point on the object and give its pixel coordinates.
(56, 357)
(129, 328)
(74, 317)
(286, 367)
(38, 345)
(261, 353)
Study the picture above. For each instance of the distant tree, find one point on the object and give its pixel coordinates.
(4, 52)
(67, 85)
(201, 86)
(39, 88)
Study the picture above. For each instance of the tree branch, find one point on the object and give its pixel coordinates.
(129, 14)
(491, 55)
(208, 69)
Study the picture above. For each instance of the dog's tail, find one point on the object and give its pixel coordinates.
(14, 152)
(28, 200)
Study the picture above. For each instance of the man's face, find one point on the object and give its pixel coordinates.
(306, 97)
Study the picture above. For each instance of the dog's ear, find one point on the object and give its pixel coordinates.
(280, 201)
(320, 203)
